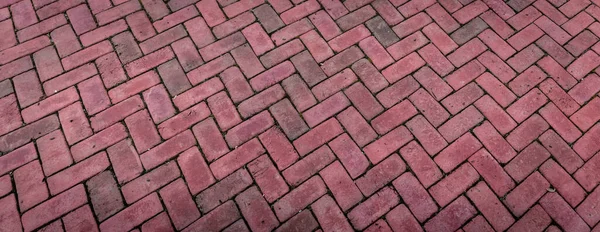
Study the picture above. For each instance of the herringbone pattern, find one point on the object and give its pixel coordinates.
(299, 115)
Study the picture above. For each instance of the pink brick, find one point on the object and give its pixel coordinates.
(141, 27)
(372, 208)
(308, 166)
(317, 46)
(117, 12)
(495, 114)
(195, 170)
(357, 126)
(466, 52)
(167, 149)
(325, 25)
(465, 74)
(452, 217)
(563, 182)
(496, 44)
(217, 219)
(369, 75)
(561, 212)
(210, 69)
(393, 117)
(223, 190)
(54, 152)
(343, 189)
(148, 62)
(485, 200)
(179, 204)
(69, 79)
(15, 67)
(74, 122)
(126, 162)
(329, 215)
(439, 38)
(47, 63)
(415, 196)
(256, 210)
(586, 89)
(527, 161)
(536, 218)
(300, 11)
(426, 134)
(527, 105)
(435, 85)
(387, 144)
(325, 109)
(160, 222)
(403, 67)
(436, 60)
(380, 175)
(268, 178)
(54, 208)
(587, 210)
(77, 173)
(497, 67)
(187, 54)
(492, 172)
(30, 185)
(446, 190)
(10, 116)
(116, 113)
(528, 131)
(183, 120)
(50, 105)
(559, 97)
(239, 7)
(23, 49)
(407, 45)
(460, 123)
(236, 159)
(462, 98)
(149, 182)
(376, 52)
(362, 99)
(494, 142)
(41, 28)
(421, 164)
(248, 129)
(560, 123)
(442, 17)
(299, 198)
(526, 194)
(342, 60)
(398, 91)
(134, 214)
(498, 91)
(282, 53)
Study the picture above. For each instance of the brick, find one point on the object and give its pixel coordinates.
(126, 48)
(268, 17)
(160, 222)
(308, 166)
(587, 209)
(526, 194)
(447, 219)
(158, 102)
(360, 96)
(236, 84)
(372, 208)
(183, 120)
(165, 38)
(426, 134)
(403, 67)
(529, 130)
(325, 109)
(210, 69)
(179, 204)
(27, 133)
(116, 113)
(380, 175)
(239, 7)
(282, 53)
(15, 67)
(167, 149)
(393, 117)
(349, 38)
(299, 198)
(557, 52)
(561, 212)
(80, 219)
(460, 123)
(369, 75)
(134, 214)
(469, 31)
(564, 184)
(317, 46)
(355, 18)
(536, 218)
(117, 12)
(442, 17)
(527, 161)
(251, 201)
(462, 98)
(41, 28)
(187, 54)
(47, 63)
(217, 219)
(291, 31)
(223, 110)
(141, 27)
(485, 200)
(376, 52)
(53, 208)
(500, 93)
(149, 182)
(432, 83)
(583, 65)
(581, 42)
(211, 142)
(341, 60)
(382, 31)
(69, 79)
(228, 187)
(466, 52)
(268, 178)
(23, 14)
(489, 169)
(236, 159)
(10, 116)
(329, 215)
(127, 165)
(23, 49)
(500, 47)
(387, 144)
(477, 224)
(561, 151)
(248, 129)
(586, 89)
(30, 185)
(196, 171)
(527, 105)
(148, 62)
(77, 173)
(585, 146)
(407, 45)
(421, 164)
(54, 152)
(415, 196)
(584, 118)
(559, 97)
(356, 126)
(560, 123)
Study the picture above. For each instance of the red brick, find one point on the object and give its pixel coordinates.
(41, 28)
(260, 101)
(465, 74)
(7, 28)
(183, 120)
(54, 152)
(69, 79)
(116, 113)
(158, 102)
(581, 43)
(381, 174)
(536, 218)
(142, 131)
(421, 164)
(350, 155)
(316, 45)
(362, 99)
(210, 140)
(329, 215)
(372, 208)
(393, 117)
(527, 161)
(308, 166)
(117, 12)
(251, 202)
(356, 126)
(74, 123)
(236, 84)
(325, 25)
(258, 39)
(179, 204)
(283, 53)
(436, 60)
(432, 83)
(561, 212)
(442, 18)
(369, 75)
(299, 198)
(77, 173)
(525, 58)
(587, 210)
(586, 145)
(187, 54)
(502, 95)
(54, 208)
(248, 129)
(527, 105)
(15, 67)
(387, 144)
(325, 109)
(27, 133)
(280, 150)
(272, 76)
(217, 219)
(492, 172)
(460, 123)
(559, 97)
(9, 114)
(496, 44)
(197, 174)
(588, 174)
(30, 185)
(162, 39)
(93, 95)
(81, 219)
(349, 38)
(126, 163)
(23, 49)
(167, 149)
(149, 182)
(341, 60)
(526, 194)
(560, 123)
(495, 114)
(494, 142)
(439, 38)
(585, 117)
(49, 105)
(126, 47)
(407, 45)
(141, 27)
(173, 77)
(403, 67)
(415, 196)
(397, 92)
(564, 184)
(47, 63)
(452, 217)
(149, 61)
(228, 187)
(454, 184)
(528, 131)
(239, 225)
(291, 31)
(236, 159)
(478, 223)
(210, 69)
(355, 18)
(223, 110)
(160, 222)
(133, 215)
(485, 200)
(462, 98)
(561, 151)
(343, 189)
(268, 178)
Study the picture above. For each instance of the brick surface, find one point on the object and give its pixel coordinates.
(292, 115)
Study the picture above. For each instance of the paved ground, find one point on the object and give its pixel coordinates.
(297, 115)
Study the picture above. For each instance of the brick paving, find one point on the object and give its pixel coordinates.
(299, 115)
